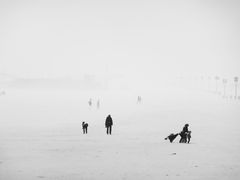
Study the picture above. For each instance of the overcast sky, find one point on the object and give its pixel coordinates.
(138, 38)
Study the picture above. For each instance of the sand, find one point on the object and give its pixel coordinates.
(41, 136)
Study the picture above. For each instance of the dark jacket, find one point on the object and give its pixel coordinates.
(84, 125)
(185, 129)
(108, 121)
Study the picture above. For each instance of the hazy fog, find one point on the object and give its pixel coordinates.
(144, 39)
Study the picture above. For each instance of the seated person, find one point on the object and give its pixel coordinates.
(183, 134)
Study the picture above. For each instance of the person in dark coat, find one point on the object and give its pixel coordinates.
(184, 134)
(84, 127)
(108, 124)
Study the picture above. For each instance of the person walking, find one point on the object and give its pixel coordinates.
(139, 99)
(98, 104)
(90, 102)
(84, 127)
(108, 124)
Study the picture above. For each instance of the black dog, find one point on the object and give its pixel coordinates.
(84, 127)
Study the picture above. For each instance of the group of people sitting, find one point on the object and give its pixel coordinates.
(185, 135)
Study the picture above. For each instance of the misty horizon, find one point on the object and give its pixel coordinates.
(50, 39)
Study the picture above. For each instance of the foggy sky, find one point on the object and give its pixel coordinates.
(137, 38)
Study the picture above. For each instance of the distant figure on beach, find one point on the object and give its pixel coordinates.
(184, 134)
(84, 127)
(98, 104)
(139, 99)
(90, 102)
(108, 124)
(2, 93)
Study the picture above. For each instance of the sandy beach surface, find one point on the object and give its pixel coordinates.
(41, 136)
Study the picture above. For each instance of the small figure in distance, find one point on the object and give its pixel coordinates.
(84, 127)
(98, 104)
(139, 99)
(108, 124)
(90, 102)
(184, 134)
(2, 93)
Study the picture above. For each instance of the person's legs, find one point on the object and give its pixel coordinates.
(184, 140)
(180, 141)
(86, 130)
(188, 138)
(107, 129)
(110, 129)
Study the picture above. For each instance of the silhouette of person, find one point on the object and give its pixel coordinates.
(139, 99)
(184, 134)
(108, 124)
(84, 127)
(98, 104)
(90, 102)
